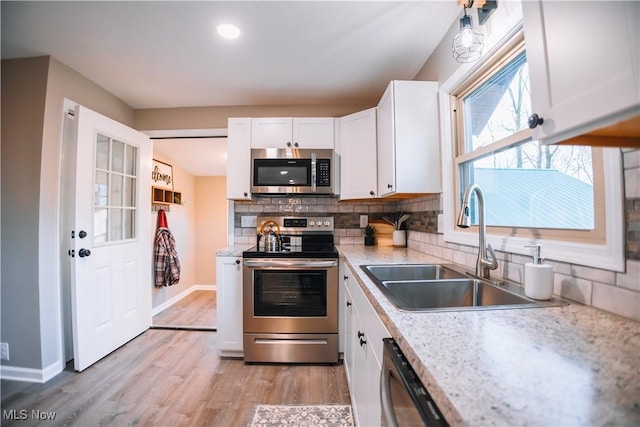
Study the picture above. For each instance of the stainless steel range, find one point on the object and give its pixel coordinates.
(290, 292)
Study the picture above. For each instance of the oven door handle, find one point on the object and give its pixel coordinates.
(290, 263)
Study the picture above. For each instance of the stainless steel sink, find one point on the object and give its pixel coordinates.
(453, 293)
(411, 272)
(434, 287)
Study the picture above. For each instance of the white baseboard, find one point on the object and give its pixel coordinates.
(203, 288)
(31, 375)
(175, 299)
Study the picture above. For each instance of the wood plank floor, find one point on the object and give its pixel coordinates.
(198, 309)
(171, 378)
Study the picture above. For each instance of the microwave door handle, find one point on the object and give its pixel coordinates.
(313, 172)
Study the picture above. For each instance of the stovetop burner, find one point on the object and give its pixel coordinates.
(328, 252)
(299, 237)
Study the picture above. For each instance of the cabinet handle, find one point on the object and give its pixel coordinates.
(238, 261)
(288, 144)
(345, 277)
(360, 334)
(535, 120)
(389, 186)
(295, 144)
(362, 342)
(348, 304)
(246, 194)
(372, 193)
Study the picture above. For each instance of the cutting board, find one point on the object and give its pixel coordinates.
(384, 232)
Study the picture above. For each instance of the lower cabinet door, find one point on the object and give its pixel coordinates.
(229, 304)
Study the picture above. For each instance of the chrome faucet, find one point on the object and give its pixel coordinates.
(483, 264)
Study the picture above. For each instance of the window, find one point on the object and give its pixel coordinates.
(554, 195)
(529, 188)
(114, 216)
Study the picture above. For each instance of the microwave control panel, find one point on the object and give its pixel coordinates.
(324, 172)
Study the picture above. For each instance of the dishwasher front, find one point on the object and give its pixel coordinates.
(405, 401)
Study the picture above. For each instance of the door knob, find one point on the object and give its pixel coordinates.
(84, 252)
(535, 120)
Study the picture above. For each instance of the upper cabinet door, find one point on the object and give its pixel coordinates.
(287, 132)
(408, 139)
(314, 132)
(239, 159)
(584, 65)
(272, 132)
(358, 169)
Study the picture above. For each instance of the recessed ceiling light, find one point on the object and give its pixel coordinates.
(228, 31)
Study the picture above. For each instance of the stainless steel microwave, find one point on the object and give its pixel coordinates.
(291, 171)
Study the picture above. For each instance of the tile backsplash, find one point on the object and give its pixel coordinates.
(611, 291)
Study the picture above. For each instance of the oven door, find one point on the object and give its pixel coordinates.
(290, 296)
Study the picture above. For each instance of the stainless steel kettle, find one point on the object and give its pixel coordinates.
(272, 242)
(269, 236)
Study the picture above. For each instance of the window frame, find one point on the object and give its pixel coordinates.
(594, 250)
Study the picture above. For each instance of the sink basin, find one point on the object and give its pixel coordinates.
(451, 293)
(411, 272)
(435, 287)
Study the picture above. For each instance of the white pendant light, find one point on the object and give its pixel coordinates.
(467, 44)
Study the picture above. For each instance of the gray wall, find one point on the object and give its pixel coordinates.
(33, 92)
(24, 84)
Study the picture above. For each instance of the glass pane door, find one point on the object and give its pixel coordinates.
(114, 212)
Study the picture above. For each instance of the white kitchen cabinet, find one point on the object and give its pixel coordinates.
(364, 332)
(408, 145)
(358, 160)
(296, 132)
(239, 159)
(583, 64)
(229, 305)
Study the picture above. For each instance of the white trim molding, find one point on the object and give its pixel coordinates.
(157, 309)
(608, 256)
(186, 133)
(31, 375)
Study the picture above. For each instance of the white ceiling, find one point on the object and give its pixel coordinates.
(161, 54)
(198, 156)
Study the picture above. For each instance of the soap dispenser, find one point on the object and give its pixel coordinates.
(538, 277)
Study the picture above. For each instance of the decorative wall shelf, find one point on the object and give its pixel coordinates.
(164, 196)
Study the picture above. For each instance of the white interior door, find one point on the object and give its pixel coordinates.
(111, 267)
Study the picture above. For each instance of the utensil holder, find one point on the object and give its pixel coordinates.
(399, 239)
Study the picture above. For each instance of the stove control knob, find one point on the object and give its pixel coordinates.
(312, 223)
(327, 223)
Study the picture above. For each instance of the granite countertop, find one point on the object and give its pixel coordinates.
(233, 250)
(568, 365)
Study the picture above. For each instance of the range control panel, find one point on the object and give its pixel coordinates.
(300, 224)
